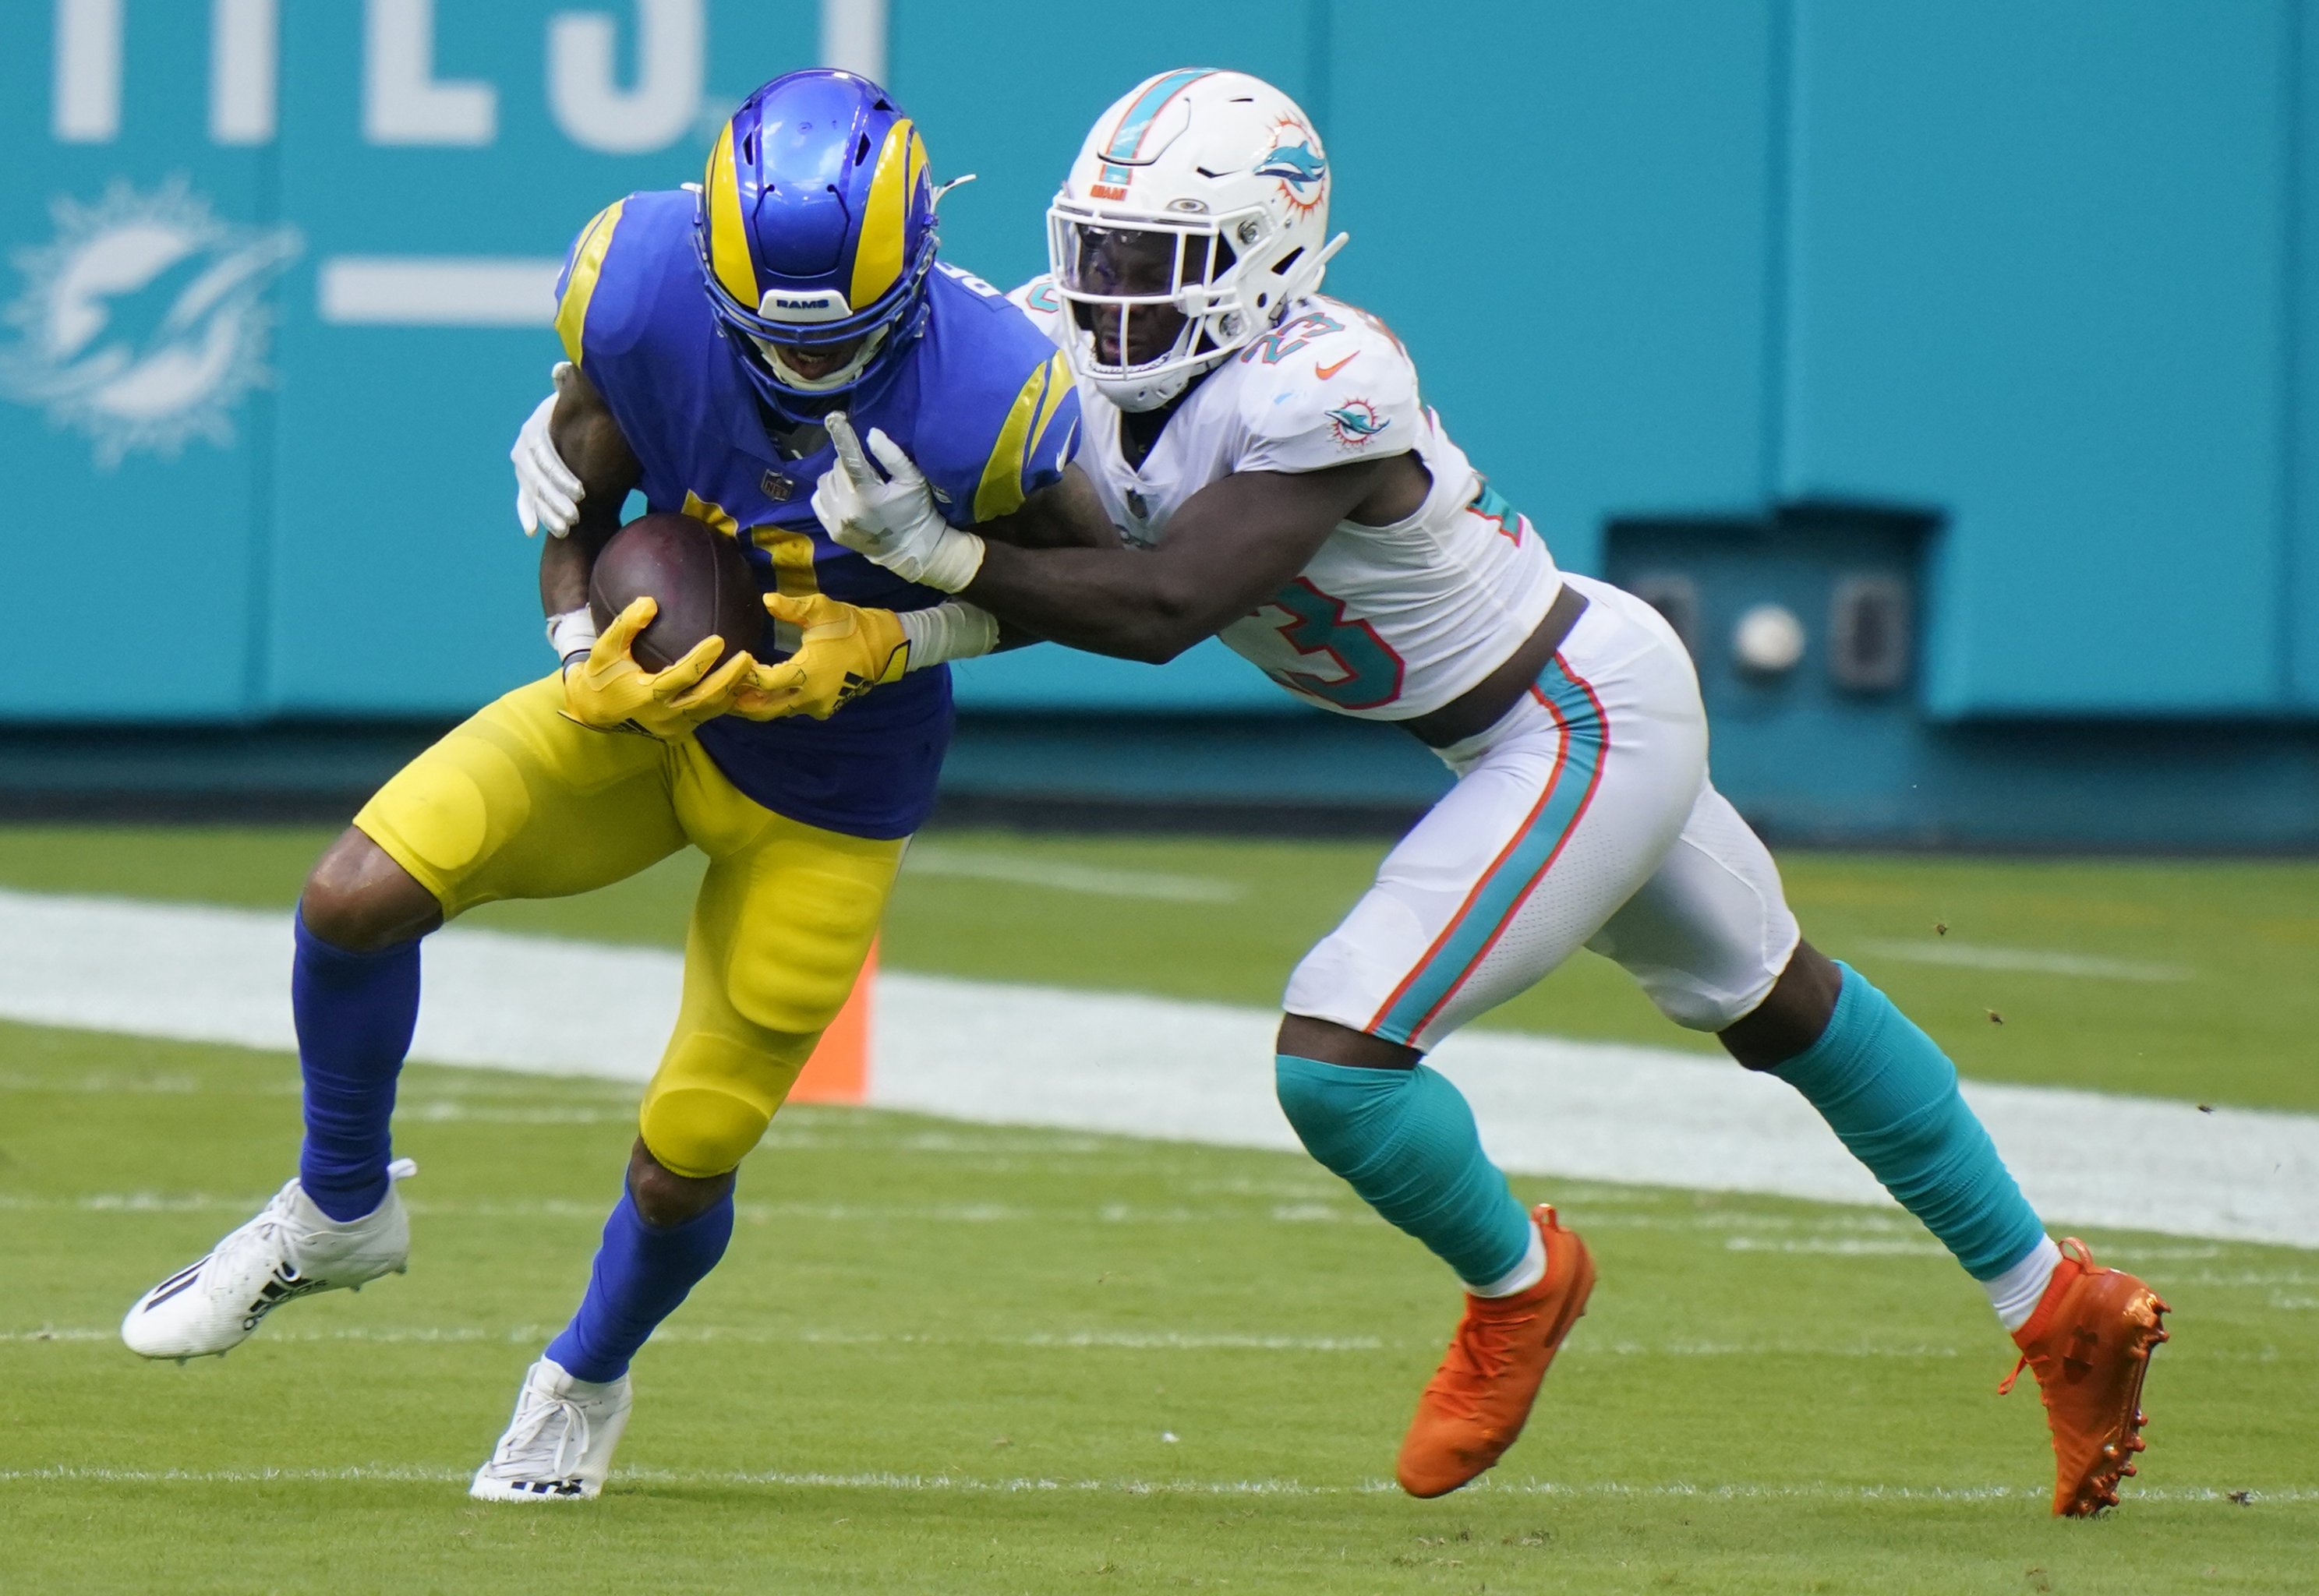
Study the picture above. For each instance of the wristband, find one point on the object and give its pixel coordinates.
(572, 632)
(951, 631)
(954, 561)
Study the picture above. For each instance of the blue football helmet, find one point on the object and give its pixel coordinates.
(816, 228)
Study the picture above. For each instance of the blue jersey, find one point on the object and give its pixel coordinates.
(981, 401)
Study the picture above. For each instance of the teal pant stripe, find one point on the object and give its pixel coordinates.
(1405, 1141)
(1474, 931)
(1889, 1091)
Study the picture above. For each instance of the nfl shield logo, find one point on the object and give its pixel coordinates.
(778, 488)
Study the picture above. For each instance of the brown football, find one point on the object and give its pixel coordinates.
(699, 576)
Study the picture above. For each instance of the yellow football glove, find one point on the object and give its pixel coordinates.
(609, 691)
(846, 651)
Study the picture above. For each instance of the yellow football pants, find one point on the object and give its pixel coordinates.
(522, 802)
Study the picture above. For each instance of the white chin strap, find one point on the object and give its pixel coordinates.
(1131, 392)
(841, 378)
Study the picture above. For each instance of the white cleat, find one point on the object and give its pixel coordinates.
(291, 1250)
(558, 1448)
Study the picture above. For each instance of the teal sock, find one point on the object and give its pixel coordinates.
(1889, 1091)
(1404, 1140)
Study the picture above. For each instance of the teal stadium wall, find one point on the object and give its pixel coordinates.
(2047, 272)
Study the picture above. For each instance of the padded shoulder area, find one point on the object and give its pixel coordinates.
(1328, 386)
(998, 413)
(630, 255)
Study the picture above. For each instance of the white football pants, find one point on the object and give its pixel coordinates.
(1583, 819)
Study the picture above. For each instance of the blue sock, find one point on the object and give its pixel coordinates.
(355, 1013)
(1404, 1140)
(1889, 1091)
(642, 1271)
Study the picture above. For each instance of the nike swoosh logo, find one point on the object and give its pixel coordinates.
(1325, 372)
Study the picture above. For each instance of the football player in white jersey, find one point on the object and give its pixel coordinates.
(1261, 452)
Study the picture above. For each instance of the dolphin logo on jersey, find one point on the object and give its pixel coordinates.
(144, 323)
(1356, 421)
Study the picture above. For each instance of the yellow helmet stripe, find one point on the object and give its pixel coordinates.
(1000, 492)
(878, 258)
(728, 235)
(580, 286)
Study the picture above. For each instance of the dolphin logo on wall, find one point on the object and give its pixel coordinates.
(144, 323)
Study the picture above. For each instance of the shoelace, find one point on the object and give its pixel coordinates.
(273, 1229)
(2074, 1251)
(269, 1229)
(530, 1428)
(1480, 1351)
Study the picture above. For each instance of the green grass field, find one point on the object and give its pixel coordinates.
(946, 1358)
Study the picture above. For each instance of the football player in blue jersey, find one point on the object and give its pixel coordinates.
(708, 332)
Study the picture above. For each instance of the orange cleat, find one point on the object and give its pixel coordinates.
(1477, 1401)
(2088, 1343)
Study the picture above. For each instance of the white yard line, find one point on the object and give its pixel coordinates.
(1198, 1072)
(199, 973)
(1161, 1068)
(933, 858)
(529, 1335)
(2027, 960)
(1493, 1486)
(532, 1335)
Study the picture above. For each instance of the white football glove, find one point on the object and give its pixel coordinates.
(891, 517)
(547, 493)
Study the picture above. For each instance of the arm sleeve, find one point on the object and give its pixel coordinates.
(1348, 393)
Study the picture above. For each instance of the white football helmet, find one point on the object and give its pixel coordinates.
(1197, 211)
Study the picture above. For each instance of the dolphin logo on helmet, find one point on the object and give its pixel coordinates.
(815, 230)
(1295, 164)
